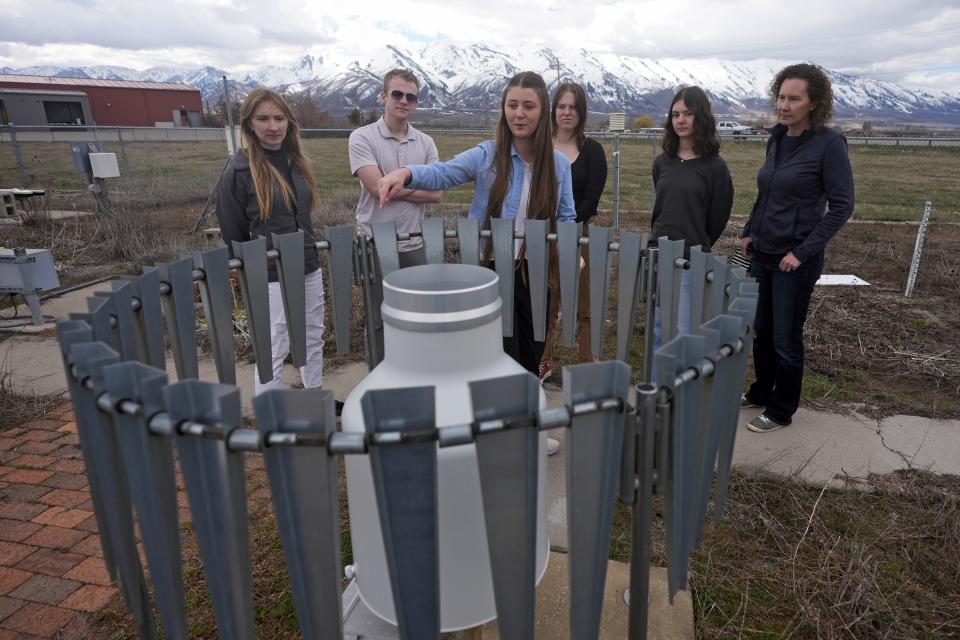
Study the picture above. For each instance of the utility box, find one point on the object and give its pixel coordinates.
(81, 154)
(104, 165)
(618, 121)
(30, 271)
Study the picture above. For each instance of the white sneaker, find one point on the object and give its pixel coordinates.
(552, 446)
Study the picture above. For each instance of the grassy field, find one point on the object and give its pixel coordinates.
(891, 182)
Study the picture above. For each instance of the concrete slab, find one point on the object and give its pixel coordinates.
(556, 478)
(923, 443)
(32, 355)
(36, 367)
(553, 602)
(34, 364)
(59, 308)
(824, 447)
(54, 214)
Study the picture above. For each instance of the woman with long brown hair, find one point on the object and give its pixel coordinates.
(267, 188)
(518, 176)
(588, 171)
(692, 184)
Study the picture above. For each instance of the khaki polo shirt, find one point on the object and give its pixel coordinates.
(375, 145)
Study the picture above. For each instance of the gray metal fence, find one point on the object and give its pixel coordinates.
(134, 425)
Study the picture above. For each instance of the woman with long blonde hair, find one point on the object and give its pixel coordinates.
(267, 188)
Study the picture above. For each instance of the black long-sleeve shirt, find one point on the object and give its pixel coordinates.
(589, 174)
(693, 199)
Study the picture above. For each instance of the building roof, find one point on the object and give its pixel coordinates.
(41, 92)
(94, 82)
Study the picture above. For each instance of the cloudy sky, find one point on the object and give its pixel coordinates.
(912, 42)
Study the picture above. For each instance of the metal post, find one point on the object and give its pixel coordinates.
(226, 106)
(650, 311)
(18, 156)
(123, 148)
(642, 512)
(508, 462)
(918, 248)
(616, 180)
(29, 292)
(594, 444)
(405, 482)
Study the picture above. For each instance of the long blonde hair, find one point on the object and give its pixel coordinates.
(266, 178)
(542, 204)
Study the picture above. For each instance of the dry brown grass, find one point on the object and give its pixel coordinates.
(18, 407)
(790, 560)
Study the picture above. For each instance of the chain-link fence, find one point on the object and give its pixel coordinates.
(169, 167)
(893, 177)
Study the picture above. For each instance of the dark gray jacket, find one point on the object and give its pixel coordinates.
(789, 212)
(239, 213)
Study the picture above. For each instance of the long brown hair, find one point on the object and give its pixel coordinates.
(579, 103)
(266, 179)
(542, 204)
(706, 141)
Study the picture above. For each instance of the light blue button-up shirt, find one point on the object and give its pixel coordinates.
(475, 165)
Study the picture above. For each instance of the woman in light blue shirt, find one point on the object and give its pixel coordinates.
(518, 176)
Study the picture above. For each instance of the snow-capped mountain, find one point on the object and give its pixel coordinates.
(470, 79)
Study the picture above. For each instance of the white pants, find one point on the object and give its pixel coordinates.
(312, 372)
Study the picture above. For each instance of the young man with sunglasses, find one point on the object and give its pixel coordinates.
(377, 149)
(387, 144)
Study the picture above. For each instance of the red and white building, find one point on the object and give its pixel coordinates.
(47, 101)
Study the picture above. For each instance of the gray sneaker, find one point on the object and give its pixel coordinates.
(763, 423)
(746, 403)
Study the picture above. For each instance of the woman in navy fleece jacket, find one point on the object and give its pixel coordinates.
(806, 169)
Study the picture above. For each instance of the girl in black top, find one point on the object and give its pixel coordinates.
(589, 173)
(694, 192)
(267, 188)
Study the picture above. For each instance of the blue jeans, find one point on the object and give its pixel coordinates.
(778, 332)
(683, 319)
(683, 311)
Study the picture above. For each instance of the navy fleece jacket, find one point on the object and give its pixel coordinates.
(790, 213)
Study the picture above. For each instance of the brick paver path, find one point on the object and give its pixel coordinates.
(52, 575)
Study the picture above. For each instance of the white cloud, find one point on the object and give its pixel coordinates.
(909, 41)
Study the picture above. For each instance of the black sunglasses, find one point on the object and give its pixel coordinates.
(396, 94)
